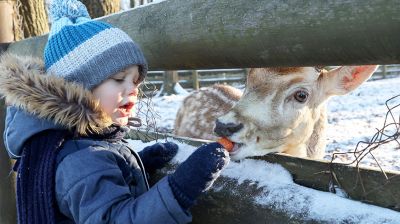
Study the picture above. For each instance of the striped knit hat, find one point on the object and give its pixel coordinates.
(86, 51)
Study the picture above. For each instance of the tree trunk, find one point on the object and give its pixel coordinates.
(34, 17)
(98, 8)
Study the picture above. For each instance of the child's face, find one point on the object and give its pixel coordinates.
(118, 94)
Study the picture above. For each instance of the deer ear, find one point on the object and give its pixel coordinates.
(345, 79)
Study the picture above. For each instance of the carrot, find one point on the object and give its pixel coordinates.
(226, 143)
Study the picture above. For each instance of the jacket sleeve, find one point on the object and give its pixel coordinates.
(90, 188)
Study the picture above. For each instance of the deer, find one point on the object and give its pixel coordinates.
(282, 109)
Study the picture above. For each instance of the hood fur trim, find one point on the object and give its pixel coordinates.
(24, 84)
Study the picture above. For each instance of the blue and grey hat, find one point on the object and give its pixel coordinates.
(86, 51)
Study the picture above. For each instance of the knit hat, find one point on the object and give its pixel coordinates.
(86, 51)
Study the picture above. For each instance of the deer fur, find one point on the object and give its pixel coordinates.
(271, 117)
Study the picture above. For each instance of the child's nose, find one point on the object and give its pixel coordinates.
(135, 92)
(132, 90)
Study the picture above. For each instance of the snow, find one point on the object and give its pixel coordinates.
(125, 4)
(280, 192)
(355, 117)
(180, 90)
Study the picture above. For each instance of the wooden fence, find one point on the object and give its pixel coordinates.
(209, 34)
(205, 34)
(386, 71)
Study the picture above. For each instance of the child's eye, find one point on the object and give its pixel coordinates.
(118, 80)
(137, 82)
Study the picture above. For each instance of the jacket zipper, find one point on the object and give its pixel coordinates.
(140, 164)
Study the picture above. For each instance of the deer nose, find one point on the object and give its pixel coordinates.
(222, 129)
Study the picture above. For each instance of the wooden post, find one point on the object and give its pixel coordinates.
(384, 71)
(8, 213)
(6, 24)
(170, 80)
(9, 32)
(246, 73)
(195, 80)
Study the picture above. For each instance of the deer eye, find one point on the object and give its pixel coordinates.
(301, 96)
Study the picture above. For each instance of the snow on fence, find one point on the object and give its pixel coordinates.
(258, 190)
(208, 34)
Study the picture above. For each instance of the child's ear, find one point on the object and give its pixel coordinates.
(342, 80)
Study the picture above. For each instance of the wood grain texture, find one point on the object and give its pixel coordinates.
(198, 34)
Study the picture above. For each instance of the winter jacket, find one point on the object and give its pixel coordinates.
(97, 181)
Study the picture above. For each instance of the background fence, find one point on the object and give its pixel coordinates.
(195, 79)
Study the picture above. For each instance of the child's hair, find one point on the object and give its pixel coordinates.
(86, 51)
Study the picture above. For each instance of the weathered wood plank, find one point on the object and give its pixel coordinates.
(362, 184)
(196, 34)
(8, 213)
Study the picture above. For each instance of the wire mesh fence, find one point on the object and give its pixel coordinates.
(387, 134)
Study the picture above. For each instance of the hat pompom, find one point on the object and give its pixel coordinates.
(67, 8)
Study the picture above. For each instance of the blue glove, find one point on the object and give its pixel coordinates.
(198, 173)
(157, 156)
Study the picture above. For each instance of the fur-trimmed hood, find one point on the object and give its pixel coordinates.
(38, 101)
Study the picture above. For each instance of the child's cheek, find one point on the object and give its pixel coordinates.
(109, 105)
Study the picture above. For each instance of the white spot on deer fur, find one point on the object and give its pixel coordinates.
(221, 96)
(227, 118)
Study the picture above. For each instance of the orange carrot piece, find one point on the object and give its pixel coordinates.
(226, 143)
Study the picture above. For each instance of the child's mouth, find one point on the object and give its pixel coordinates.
(126, 109)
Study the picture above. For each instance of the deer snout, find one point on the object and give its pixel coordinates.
(226, 129)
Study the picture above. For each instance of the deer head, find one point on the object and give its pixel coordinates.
(281, 107)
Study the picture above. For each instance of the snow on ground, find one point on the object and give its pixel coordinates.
(351, 118)
(280, 192)
(355, 117)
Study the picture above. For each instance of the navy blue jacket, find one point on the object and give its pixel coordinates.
(92, 182)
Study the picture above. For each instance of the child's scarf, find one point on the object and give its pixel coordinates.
(36, 200)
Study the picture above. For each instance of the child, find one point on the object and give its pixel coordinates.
(65, 125)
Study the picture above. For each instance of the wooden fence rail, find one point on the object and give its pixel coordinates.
(204, 34)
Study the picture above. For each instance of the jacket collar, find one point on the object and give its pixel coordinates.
(25, 85)
(38, 101)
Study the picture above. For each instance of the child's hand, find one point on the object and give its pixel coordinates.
(156, 156)
(198, 173)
